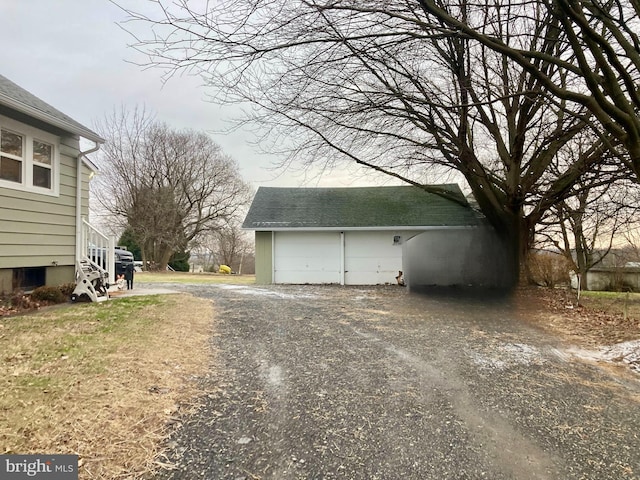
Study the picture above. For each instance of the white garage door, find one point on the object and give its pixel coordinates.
(307, 257)
(371, 258)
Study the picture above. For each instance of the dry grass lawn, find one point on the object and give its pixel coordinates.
(102, 381)
(188, 277)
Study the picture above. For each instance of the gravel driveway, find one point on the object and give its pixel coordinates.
(323, 382)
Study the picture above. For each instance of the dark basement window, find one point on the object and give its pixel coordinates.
(29, 278)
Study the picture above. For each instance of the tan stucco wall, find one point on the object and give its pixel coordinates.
(59, 275)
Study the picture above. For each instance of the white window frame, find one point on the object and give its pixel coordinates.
(29, 134)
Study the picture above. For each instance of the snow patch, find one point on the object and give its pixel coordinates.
(508, 355)
(275, 376)
(246, 290)
(625, 352)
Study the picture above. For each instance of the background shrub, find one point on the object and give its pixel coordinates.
(548, 268)
(67, 289)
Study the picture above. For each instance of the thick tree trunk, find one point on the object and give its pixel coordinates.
(516, 237)
(164, 258)
(526, 234)
(512, 239)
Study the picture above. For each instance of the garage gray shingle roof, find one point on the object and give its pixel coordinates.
(17, 98)
(360, 207)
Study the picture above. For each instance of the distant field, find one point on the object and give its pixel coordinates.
(188, 277)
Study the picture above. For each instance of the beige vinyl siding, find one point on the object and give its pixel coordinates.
(68, 178)
(86, 171)
(264, 258)
(39, 230)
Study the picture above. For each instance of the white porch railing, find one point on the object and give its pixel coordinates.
(98, 249)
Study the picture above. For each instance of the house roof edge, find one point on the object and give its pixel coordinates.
(48, 118)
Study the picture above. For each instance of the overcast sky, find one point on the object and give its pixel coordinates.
(73, 55)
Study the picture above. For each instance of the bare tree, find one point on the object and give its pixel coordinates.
(588, 225)
(227, 245)
(389, 86)
(602, 71)
(632, 241)
(168, 186)
(232, 246)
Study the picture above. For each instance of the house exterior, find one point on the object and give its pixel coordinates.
(616, 270)
(44, 190)
(364, 236)
(604, 278)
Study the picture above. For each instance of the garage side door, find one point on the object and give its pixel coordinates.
(307, 257)
(371, 258)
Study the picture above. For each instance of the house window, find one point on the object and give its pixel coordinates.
(12, 159)
(28, 158)
(42, 161)
(28, 278)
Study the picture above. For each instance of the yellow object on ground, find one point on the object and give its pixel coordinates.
(224, 269)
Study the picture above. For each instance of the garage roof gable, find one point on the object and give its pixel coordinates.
(360, 207)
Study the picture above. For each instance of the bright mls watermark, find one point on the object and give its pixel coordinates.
(49, 467)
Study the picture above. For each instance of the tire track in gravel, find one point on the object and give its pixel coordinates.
(327, 382)
(516, 455)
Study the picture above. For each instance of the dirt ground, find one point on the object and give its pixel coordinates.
(595, 322)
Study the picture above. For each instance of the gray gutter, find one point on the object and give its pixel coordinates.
(271, 228)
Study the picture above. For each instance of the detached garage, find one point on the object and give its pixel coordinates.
(347, 236)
